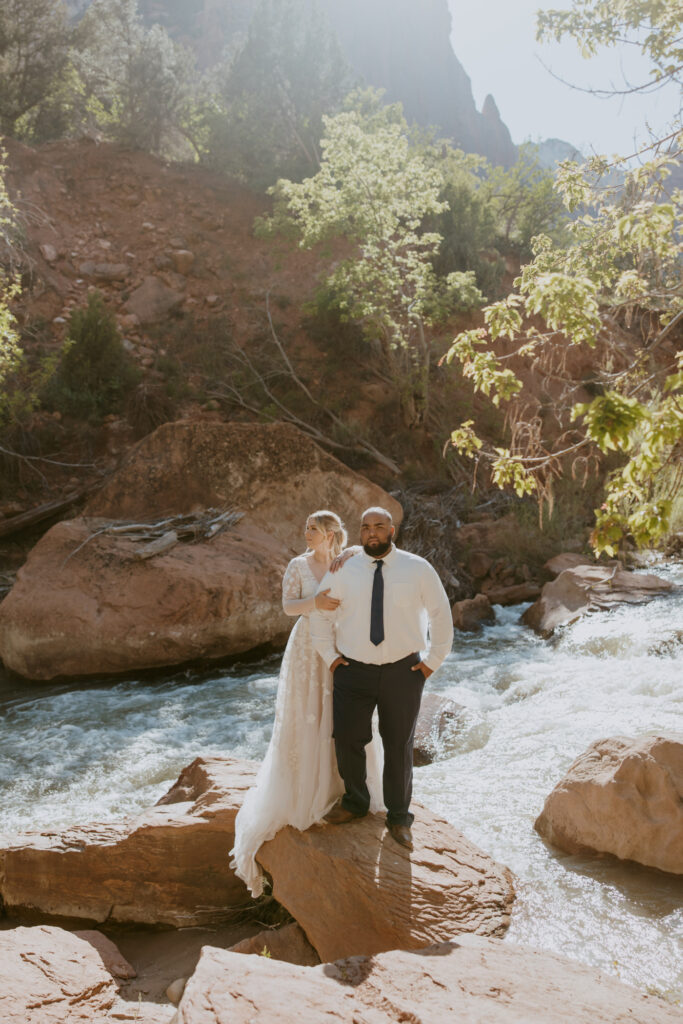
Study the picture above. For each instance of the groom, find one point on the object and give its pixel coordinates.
(392, 608)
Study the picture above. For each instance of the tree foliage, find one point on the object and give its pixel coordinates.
(268, 97)
(95, 374)
(616, 287)
(492, 212)
(652, 26)
(10, 353)
(376, 190)
(139, 79)
(34, 40)
(110, 75)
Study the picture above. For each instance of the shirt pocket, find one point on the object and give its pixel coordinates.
(403, 592)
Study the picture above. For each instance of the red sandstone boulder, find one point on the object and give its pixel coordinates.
(165, 866)
(469, 614)
(479, 564)
(288, 943)
(587, 588)
(567, 560)
(514, 593)
(50, 976)
(86, 605)
(354, 890)
(102, 611)
(153, 301)
(469, 979)
(622, 796)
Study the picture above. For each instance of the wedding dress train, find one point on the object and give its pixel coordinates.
(298, 781)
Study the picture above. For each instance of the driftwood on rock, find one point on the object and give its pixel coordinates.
(106, 610)
(165, 534)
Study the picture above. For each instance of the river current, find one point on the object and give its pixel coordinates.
(75, 752)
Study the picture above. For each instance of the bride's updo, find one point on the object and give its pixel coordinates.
(327, 522)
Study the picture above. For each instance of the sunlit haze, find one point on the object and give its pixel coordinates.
(495, 41)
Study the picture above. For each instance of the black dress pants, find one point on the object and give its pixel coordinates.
(395, 690)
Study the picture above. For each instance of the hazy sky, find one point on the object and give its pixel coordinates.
(495, 41)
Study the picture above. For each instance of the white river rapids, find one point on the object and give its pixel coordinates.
(74, 752)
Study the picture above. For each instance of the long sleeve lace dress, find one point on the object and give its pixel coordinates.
(298, 781)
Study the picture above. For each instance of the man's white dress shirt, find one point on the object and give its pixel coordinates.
(417, 615)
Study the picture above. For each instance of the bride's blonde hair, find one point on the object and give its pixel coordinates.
(327, 522)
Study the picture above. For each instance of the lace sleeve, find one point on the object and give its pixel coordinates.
(292, 601)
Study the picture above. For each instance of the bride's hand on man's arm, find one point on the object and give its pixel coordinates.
(343, 557)
(324, 603)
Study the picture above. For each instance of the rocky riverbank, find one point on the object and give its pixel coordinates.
(396, 933)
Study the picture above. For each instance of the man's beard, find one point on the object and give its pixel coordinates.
(378, 550)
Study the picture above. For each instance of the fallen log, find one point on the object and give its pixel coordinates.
(36, 515)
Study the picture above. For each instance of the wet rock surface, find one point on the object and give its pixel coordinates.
(436, 723)
(585, 588)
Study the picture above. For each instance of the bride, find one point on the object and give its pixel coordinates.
(298, 781)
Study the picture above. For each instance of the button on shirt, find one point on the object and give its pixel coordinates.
(417, 615)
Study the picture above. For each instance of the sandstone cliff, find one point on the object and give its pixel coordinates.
(403, 46)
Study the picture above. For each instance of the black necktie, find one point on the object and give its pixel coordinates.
(377, 605)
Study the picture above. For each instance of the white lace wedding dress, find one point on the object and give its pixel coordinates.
(298, 780)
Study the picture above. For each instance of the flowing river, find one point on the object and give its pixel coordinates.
(75, 752)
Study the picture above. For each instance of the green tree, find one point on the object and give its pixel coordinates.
(376, 190)
(616, 287)
(468, 223)
(34, 40)
(491, 212)
(138, 83)
(269, 96)
(525, 202)
(95, 374)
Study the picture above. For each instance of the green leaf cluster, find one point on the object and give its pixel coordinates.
(613, 284)
(377, 190)
(653, 25)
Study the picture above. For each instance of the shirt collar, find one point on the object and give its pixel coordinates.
(389, 557)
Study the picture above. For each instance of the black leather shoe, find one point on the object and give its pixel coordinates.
(402, 835)
(339, 815)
